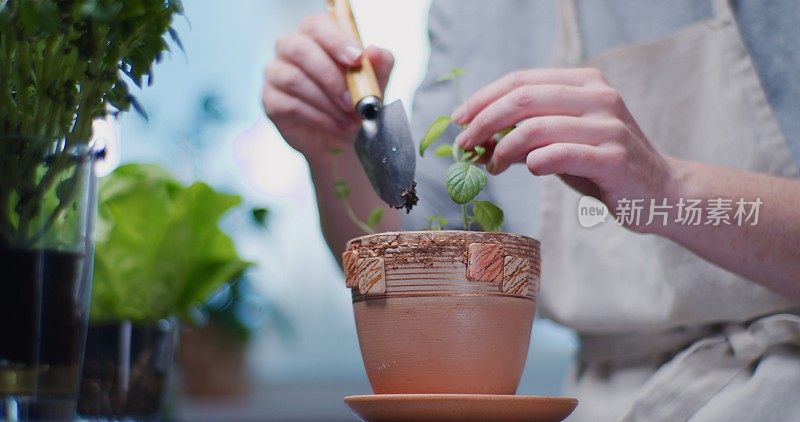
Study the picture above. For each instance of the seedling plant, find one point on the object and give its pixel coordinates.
(464, 179)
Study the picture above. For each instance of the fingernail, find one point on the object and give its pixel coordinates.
(458, 115)
(346, 101)
(351, 54)
(461, 139)
(490, 167)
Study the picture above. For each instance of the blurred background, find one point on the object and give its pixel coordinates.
(206, 122)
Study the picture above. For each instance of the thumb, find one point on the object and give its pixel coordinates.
(383, 62)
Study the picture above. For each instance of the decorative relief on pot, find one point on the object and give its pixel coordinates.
(516, 273)
(536, 276)
(485, 262)
(371, 276)
(350, 264)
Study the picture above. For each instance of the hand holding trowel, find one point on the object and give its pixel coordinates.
(384, 144)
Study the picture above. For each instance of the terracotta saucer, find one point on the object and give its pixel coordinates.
(460, 407)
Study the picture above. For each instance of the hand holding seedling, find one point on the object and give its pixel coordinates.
(305, 93)
(568, 122)
(464, 180)
(571, 122)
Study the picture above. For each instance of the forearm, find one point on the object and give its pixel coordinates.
(767, 252)
(337, 227)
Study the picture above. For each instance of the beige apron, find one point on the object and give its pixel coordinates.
(664, 334)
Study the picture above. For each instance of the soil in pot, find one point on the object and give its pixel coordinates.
(43, 306)
(126, 369)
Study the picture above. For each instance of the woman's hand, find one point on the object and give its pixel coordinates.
(569, 122)
(305, 93)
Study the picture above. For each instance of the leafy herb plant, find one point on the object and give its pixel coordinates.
(64, 63)
(464, 179)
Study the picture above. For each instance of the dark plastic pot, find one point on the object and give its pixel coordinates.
(126, 370)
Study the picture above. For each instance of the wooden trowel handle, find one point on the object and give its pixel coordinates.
(361, 80)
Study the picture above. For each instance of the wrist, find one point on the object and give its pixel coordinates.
(680, 185)
(320, 160)
(680, 176)
(327, 164)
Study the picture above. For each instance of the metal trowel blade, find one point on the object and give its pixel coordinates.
(386, 150)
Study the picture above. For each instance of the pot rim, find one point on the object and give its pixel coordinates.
(440, 233)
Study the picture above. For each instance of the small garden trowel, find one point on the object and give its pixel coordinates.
(384, 144)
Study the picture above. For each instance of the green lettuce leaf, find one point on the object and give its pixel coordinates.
(159, 248)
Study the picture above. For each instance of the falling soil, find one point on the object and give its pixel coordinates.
(410, 198)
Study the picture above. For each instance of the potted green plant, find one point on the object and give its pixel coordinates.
(443, 317)
(214, 347)
(160, 252)
(62, 65)
(456, 294)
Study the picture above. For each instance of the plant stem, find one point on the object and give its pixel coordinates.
(351, 214)
(464, 216)
(348, 207)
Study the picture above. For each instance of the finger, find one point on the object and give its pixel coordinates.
(383, 62)
(281, 106)
(573, 159)
(334, 39)
(293, 81)
(522, 103)
(303, 52)
(583, 185)
(492, 92)
(537, 132)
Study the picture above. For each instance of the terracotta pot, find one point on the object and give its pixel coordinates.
(212, 363)
(443, 311)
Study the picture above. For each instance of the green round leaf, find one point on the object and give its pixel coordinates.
(436, 222)
(375, 218)
(488, 216)
(341, 189)
(464, 182)
(453, 74)
(435, 130)
(445, 150)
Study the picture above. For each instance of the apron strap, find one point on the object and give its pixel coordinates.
(684, 385)
(627, 349)
(742, 65)
(723, 11)
(569, 48)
